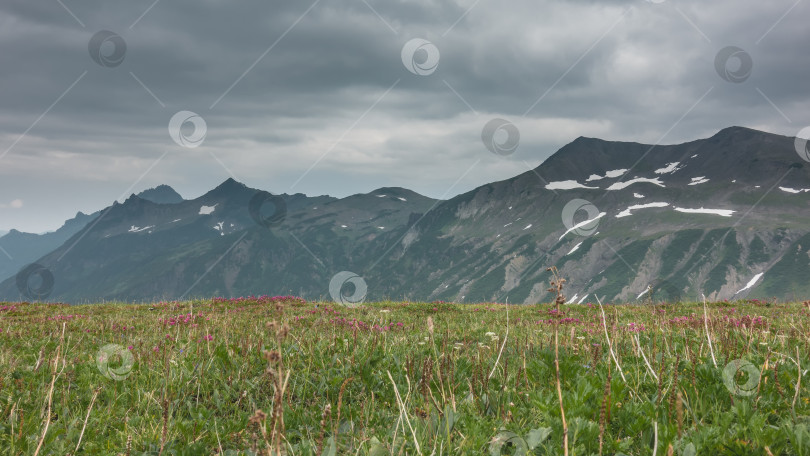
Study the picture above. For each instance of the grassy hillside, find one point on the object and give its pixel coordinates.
(241, 376)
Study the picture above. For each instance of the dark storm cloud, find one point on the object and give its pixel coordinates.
(287, 84)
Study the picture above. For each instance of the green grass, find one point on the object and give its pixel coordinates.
(195, 386)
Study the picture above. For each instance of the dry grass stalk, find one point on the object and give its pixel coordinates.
(84, 426)
(340, 403)
(603, 410)
(54, 376)
(559, 392)
(557, 284)
(327, 412)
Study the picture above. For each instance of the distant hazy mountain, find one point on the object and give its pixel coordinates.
(20, 248)
(727, 216)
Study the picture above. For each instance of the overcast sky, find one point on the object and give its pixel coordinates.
(335, 96)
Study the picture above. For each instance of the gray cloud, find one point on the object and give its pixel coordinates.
(328, 86)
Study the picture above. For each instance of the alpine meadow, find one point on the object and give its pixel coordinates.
(390, 228)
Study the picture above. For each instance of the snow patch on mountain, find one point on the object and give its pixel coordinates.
(206, 210)
(583, 223)
(638, 195)
(135, 229)
(629, 210)
(720, 212)
(670, 168)
(623, 185)
(574, 249)
(698, 180)
(527, 226)
(646, 290)
(793, 190)
(751, 282)
(610, 174)
(566, 185)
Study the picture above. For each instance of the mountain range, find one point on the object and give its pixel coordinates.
(20, 249)
(727, 217)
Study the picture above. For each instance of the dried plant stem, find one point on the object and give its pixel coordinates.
(649, 368)
(506, 336)
(327, 412)
(610, 345)
(403, 413)
(798, 381)
(216, 431)
(559, 392)
(50, 393)
(708, 336)
(84, 426)
(340, 403)
(679, 413)
(603, 410)
(165, 432)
